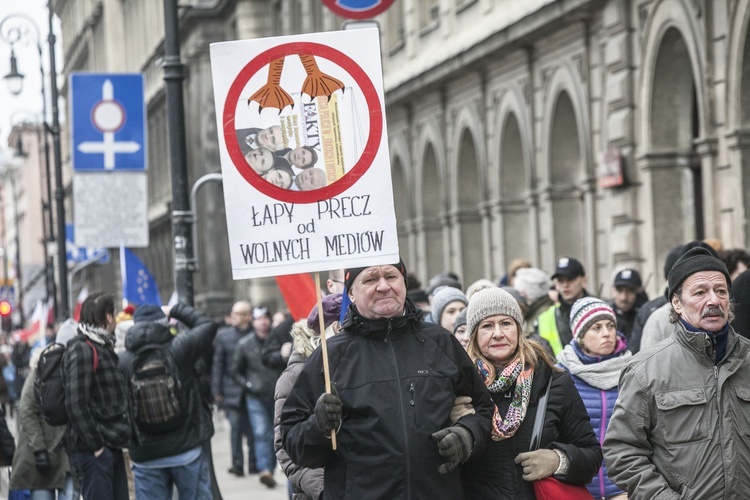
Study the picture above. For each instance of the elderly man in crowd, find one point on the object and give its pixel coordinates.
(408, 405)
(679, 428)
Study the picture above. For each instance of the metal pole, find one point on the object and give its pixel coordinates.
(174, 74)
(63, 311)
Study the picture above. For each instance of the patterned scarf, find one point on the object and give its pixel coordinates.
(503, 428)
(98, 335)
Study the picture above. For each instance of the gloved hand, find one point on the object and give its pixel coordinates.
(41, 461)
(454, 444)
(538, 464)
(461, 407)
(328, 413)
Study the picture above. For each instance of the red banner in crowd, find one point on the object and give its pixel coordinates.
(298, 291)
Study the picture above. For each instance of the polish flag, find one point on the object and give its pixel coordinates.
(79, 302)
(37, 324)
(299, 294)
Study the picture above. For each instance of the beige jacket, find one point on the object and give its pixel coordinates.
(681, 426)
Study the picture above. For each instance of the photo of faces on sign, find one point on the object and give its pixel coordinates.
(284, 167)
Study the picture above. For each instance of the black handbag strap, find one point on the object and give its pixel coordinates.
(541, 410)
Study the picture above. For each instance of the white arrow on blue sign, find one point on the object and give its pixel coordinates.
(108, 122)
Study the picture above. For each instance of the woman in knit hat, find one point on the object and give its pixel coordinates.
(306, 483)
(516, 370)
(461, 330)
(446, 304)
(595, 358)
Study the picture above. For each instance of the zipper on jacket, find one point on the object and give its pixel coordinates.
(602, 432)
(413, 403)
(403, 414)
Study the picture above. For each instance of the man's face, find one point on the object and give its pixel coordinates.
(312, 178)
(570, 289)
(260, 160)
(705, 301)
(301, 157)
(278, 177)
(241, 315)
(262, 325)
(624, 297)
(271, 138)
(379, 292)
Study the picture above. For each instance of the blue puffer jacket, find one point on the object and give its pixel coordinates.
(599, 405)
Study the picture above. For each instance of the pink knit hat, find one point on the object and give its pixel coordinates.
(585, 312)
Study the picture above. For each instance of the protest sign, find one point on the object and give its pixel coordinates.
(304, 153)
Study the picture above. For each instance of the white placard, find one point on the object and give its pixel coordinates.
(110, 208)
(304, 153)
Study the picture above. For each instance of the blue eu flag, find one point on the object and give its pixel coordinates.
(138, 285)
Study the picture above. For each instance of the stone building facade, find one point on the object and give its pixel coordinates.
(506, 120)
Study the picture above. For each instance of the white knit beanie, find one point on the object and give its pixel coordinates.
(492, 302)
(532, 282)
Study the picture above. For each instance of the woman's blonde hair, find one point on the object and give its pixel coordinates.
(530, 352)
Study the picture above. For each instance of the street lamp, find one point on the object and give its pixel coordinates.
(13, 29)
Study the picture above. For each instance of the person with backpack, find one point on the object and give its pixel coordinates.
(41, 462)
(96, 401)
(171, 419)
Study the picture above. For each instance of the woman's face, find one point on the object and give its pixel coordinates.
(448, 317)
(600, 339)
(463, 335)
(497, 339)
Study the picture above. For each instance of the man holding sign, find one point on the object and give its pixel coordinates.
(407, 406)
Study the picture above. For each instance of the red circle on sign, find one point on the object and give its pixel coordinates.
(374, 112)
(350, 13)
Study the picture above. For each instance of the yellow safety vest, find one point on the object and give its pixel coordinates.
(548, 329)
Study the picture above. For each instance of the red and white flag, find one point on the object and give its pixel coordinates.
(37, 324)
(79, 302)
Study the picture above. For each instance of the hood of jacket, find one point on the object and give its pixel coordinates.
(150, 332)
(381, 327)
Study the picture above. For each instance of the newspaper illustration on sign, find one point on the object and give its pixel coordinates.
(304, 154)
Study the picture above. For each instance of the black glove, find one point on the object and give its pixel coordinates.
(41, 460)
(328, 413)
(454, 444)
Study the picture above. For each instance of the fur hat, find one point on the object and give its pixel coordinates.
(351, 273)
(492, 302)
(695, 260)
(148, 312)
(532, 283)
(331, 305)
(443, 297)
(585, 312)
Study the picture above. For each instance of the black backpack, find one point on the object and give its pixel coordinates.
(49, 383)
(158, 401)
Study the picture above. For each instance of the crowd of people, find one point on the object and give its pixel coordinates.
(490, 391)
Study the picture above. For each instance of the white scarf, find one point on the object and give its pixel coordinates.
(603, 375)
(98, 335)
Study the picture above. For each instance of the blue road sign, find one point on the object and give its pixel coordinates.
(7, 292)
(77, 254)
(108, 122)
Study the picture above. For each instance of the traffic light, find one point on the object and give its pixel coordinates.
(5, 311)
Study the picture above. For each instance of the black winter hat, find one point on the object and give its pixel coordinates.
(148, 312)
(350, 274)
(695, 260)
